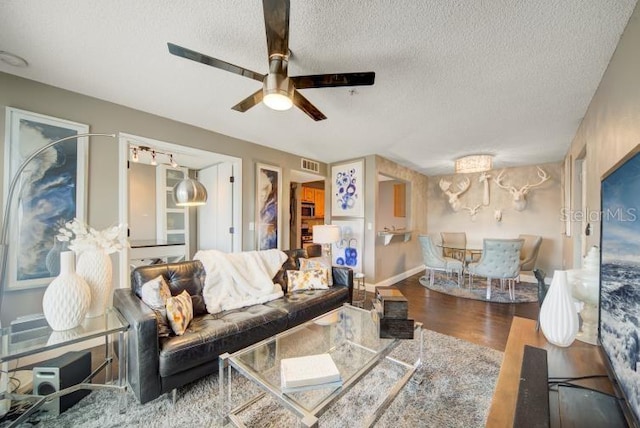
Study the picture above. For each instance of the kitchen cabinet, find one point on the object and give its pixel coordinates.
(311, 194)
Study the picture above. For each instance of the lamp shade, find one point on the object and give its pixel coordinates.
(326, 234)
(189, 193)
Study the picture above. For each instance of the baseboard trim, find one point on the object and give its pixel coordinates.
(390, 281)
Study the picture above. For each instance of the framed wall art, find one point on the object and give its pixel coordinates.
(52, 191)
(268, 203)
(347, 189)
(348, 251)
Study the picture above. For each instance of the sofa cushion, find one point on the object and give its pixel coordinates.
(179, 312)
(180, 276)
(213, 334)
(292, 263)
(301, 306)
(155, 294)
(309, 279)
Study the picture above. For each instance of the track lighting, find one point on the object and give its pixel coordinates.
(138, 151)
(153, 158)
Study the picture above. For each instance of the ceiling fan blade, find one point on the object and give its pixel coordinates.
(332, 80)
(213, 62)
(276, 23)
(249, 102)
(304, 105)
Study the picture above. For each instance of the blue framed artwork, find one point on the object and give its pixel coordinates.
(347, 189)
(348, 251)
(51, 192)
(268, 202)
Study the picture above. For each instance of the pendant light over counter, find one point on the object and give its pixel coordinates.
(189, 193)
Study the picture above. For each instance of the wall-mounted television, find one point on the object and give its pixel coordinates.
(619, 325)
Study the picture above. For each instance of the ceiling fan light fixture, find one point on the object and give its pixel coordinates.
(277, 92)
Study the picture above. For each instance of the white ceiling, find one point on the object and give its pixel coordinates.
(508, 77)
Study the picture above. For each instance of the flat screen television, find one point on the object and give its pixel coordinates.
(619, 321)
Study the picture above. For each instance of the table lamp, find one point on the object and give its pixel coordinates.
(326, 234)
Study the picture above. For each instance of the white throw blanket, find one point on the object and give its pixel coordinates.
(236, 280)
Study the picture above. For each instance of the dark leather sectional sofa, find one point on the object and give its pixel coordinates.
(160, 364)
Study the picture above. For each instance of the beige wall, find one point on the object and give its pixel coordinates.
(389, 261)
(610, 128)
(540, 217)
(107, 117)
(386, 202)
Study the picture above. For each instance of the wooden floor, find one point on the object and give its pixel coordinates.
(479, 322)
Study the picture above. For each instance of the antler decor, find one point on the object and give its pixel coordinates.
(472, 211)
(463, 186)
(520, 195)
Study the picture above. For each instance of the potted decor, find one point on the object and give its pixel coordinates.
(94, 264)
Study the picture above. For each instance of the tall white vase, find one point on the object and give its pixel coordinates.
(558, 314)
(95, 267)
(66, 300)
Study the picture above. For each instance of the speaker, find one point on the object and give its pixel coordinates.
(60, 373)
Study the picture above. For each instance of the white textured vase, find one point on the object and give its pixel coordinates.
(66, 300)
(558, 315)
(95, 267)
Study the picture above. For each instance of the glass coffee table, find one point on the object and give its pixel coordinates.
(348, 334)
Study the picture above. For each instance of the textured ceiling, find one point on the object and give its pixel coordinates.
(506, 77)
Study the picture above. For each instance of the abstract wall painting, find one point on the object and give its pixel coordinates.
(348, 251)
(268, 202)
(51, 192)
(347, 188)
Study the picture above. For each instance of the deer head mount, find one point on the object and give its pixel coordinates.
(520, 195)
(463, 186)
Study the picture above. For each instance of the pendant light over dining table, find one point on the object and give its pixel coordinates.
(189, 193)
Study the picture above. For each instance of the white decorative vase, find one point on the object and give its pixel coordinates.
(95, 267)
(66, 300)
(558, 314)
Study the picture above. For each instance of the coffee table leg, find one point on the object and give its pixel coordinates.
(122, 369)
(309, 422)
(223, 364)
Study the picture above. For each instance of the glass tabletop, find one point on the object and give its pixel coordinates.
(15, 344)
(348, 334)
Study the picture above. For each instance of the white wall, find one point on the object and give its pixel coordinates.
(541, 217)
(142, 201)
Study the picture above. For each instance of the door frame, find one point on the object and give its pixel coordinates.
(125, 140)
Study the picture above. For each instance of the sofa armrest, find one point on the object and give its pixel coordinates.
(343, 275)
(143, 363)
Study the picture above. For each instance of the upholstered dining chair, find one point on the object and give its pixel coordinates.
(454, 244)
(529, 251)
(434, 261)
(501, 260)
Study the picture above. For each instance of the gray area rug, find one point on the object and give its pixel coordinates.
(453, 388)
(525, 292)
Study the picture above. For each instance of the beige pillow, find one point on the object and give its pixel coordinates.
(179, 312)
(155, 293)
(311, 279)
(318, 263)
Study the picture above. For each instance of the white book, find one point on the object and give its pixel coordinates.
(308, 371)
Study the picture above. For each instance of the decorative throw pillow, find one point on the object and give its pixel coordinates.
(318, 263)
(179, 312)
(155, 293)
(311, 279)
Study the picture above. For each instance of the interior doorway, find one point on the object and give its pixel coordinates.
(146, 201)
(307, 207)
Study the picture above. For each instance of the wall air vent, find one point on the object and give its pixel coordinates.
(309, 165)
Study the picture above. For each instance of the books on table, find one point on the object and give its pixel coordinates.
(311, 371)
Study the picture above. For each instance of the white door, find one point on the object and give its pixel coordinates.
(216, 226)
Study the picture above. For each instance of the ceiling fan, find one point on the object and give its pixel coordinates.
(279, 91)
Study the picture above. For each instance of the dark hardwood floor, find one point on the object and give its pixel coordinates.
(479, 322)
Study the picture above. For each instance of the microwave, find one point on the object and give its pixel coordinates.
(308, 209)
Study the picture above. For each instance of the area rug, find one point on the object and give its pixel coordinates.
(453, 388)
(524, 292)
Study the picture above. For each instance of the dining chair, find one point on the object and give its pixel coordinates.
(434, 261)
(454, 244)
(529, 252)
(501, 260)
